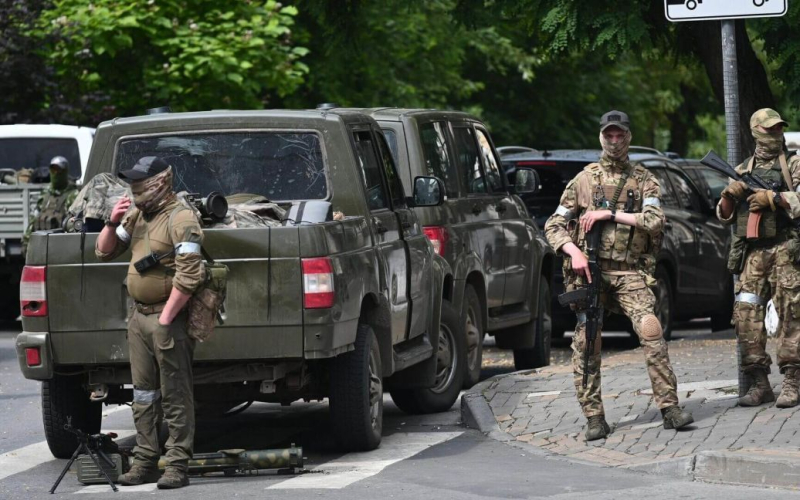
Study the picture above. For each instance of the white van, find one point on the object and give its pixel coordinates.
(33, 146)
(792, 140)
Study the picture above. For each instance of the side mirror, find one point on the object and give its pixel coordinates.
(428, 192)
(526, 181)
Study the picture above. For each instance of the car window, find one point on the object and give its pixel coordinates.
(437, 156)
(370, 171)
(716, 181)
(468, 161)
(687, 197)
(490, 162)
(33, 153)
(668, 197)
(393, 180)
(391, 140)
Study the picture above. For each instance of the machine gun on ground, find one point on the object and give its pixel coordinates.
(94, 445)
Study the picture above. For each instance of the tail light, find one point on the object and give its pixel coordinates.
(438, 236)
(318, 291)
(32, 356)
(33, 291)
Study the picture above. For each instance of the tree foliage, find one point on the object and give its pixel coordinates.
(193, 55)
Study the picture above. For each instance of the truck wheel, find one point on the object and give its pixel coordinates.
(356, 394)
(62, 397)
(472, 319)
(664, 303)
(450, 358)
(525, 359)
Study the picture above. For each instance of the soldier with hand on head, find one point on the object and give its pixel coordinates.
(765, 250)
(52, 206)
(601, 194)
(166, 269)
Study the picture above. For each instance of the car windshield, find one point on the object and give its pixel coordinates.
(282, 166)
(33, 153)
(554, 176)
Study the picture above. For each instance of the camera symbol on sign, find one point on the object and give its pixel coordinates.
(692, 4)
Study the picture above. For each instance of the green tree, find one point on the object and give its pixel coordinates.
(192, 55)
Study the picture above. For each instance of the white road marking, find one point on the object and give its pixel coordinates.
(109, 411)
(354, 467)
(105, 488)
(542, 394)
(33, 455)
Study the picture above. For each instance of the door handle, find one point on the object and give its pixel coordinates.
(476, 209)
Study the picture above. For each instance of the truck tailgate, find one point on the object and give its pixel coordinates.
(88, 303)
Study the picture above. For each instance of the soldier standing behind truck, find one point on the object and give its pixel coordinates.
(765, 250)
(594, 196)
(166, 269)
(51, 208)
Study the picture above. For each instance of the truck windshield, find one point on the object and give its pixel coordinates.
(282, 166)
(35, 152)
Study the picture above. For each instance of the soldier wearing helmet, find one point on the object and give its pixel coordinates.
(51, 209)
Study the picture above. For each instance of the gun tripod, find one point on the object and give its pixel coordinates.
(88, 444)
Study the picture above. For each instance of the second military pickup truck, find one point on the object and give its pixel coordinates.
(344, 306)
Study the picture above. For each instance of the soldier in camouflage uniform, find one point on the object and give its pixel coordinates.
(765, 256)
(160, 350)
(626, 240)
(51, 208)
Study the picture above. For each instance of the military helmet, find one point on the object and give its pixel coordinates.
(59, 162)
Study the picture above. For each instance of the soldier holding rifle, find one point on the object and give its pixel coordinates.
(612, 211)
(764, 253)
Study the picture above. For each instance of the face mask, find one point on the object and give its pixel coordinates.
(59, 178)
(150, 195)
(768, 146)
(618, 151)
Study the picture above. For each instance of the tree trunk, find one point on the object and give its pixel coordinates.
(704, 40)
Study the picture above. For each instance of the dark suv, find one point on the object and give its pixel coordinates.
(502, 263)
(691, 267)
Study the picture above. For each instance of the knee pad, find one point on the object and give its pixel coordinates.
(651, 328)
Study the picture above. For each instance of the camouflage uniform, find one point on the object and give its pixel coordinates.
(770, 271)
(50, 211)
(623, 255)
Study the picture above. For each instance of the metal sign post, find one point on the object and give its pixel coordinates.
(727, 11)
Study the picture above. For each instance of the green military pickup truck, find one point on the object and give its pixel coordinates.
(343, 307)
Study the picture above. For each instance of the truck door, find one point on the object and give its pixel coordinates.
(387, 232)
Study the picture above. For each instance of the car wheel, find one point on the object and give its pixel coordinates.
(472, 319)
(525, 359)
(450, 358)
(664, 301)
(356, 394)
(721, 318)
(63, 400)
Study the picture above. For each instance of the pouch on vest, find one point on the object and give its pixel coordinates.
(737, 255)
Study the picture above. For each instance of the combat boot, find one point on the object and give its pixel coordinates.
(675, 417)
(597, 428)
(789, 396)
(173, 478)
(760, 392)
(139, 475)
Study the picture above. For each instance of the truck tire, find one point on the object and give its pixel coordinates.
(356, 394)
(63, 397)
(525, 359)
(451, 356)
(472, 319)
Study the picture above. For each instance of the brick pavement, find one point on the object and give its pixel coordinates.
(539, 408)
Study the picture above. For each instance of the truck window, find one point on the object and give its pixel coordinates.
(395, 185)
(437, 156)
(281, 166)
(391, 139)
(371, 171)
(36, 152)
(490, 162)
(468, 162)
(668, 197)
(686, 195)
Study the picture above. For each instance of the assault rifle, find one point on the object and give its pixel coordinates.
(589, 297)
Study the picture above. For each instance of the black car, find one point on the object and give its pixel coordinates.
(710, 182)
(693, 281)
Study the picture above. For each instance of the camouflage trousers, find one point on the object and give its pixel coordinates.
(161, 368)
(769, 273)
(629, 295)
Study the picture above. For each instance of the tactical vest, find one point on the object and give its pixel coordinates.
(772, 224)
(619, 242)
(53, 210)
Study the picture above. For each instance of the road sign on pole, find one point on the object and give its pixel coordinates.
(706, 10)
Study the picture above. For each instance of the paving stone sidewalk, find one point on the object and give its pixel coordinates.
(539, 408)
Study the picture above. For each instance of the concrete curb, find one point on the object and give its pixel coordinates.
(476, 413)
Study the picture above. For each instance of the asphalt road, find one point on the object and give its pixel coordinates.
(429, 456)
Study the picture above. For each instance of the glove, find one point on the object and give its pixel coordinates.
(761, 200)
(735, 190)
